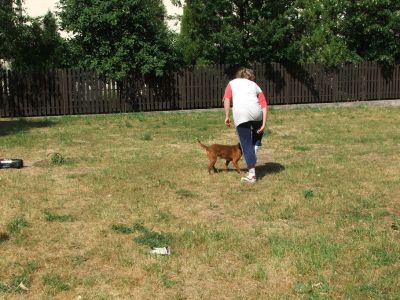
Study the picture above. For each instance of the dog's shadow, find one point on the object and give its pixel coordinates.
(269, 168)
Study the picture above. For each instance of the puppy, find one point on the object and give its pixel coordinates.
(231, 153)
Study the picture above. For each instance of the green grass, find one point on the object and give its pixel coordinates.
(97, 192)
(53, 217)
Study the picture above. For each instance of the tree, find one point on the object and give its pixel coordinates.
(314, 34)
(40, 46)
(30, 43)
(118, 37)
(326, 32)
(372, 29)
(9, 28)
(233, 31)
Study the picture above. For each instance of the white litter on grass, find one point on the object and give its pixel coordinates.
(160, 251)
(22, 287)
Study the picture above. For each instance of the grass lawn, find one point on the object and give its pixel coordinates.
(322, 222)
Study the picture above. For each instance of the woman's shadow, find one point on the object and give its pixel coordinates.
(269, 168)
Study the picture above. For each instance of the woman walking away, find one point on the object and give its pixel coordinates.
(249, 109)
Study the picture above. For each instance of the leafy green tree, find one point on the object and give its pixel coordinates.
(39, 45)
(234, 31)
(372, 29)
(30, 43)
(314, 33)
(119, 37)
(9, 28)
(326, 32)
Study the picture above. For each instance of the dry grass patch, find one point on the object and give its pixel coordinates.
(321, 222)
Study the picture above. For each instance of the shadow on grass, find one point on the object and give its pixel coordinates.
(261, 170)
(269, 168)
(10, 127)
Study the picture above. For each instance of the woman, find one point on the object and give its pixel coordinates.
(249, 108)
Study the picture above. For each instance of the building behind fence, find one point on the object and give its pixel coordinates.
(69, 91)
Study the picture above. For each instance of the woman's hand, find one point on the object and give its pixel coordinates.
(261, 129)
(228, 121)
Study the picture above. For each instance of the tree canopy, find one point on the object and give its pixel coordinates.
(118, 37)
(9, 28)
(328, 32)
(29, 43)
(123, 37)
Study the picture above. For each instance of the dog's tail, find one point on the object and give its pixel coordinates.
(202, 145)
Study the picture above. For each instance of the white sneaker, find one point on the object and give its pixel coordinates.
(248, 179)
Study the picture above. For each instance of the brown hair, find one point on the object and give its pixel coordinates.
(245, 73)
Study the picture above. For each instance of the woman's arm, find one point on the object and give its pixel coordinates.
(264, 108)
(264, 119)
(227, 104)
(227, 109)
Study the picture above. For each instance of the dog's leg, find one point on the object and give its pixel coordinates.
(211, 166)
(236, 164)
(226, 165)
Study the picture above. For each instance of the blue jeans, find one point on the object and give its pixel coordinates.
(249, 138)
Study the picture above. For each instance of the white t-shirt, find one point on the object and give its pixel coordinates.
(246, 104)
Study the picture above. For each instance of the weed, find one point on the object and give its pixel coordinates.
(146, 137)
(260, 274)
(20, 279)
(152, 238)
(4, 288)
(217, 235)
(76, 260)
(55, 283)
(139, 227)
(249, 257)
(308, 194)
(288, 212)
(164, 216)
(57, 159)
(167, 282)
(15, 225)
(122, 228)
(167, 183)
(313, 290)
(148, 237)
(301, 148)
(53, 217)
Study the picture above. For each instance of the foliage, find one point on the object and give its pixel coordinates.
(117, 38)
(30, 43)
(53, 217)
(9, 28)
(313, 33)
(40, 46)
(372, 29)
(16, 224)
(122, 228)
(57, 159)
(326, 32)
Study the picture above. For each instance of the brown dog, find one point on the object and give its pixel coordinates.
(231, 153)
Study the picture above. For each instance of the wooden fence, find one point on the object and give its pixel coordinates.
(69, 91)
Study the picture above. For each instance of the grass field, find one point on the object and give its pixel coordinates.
(322, 222)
